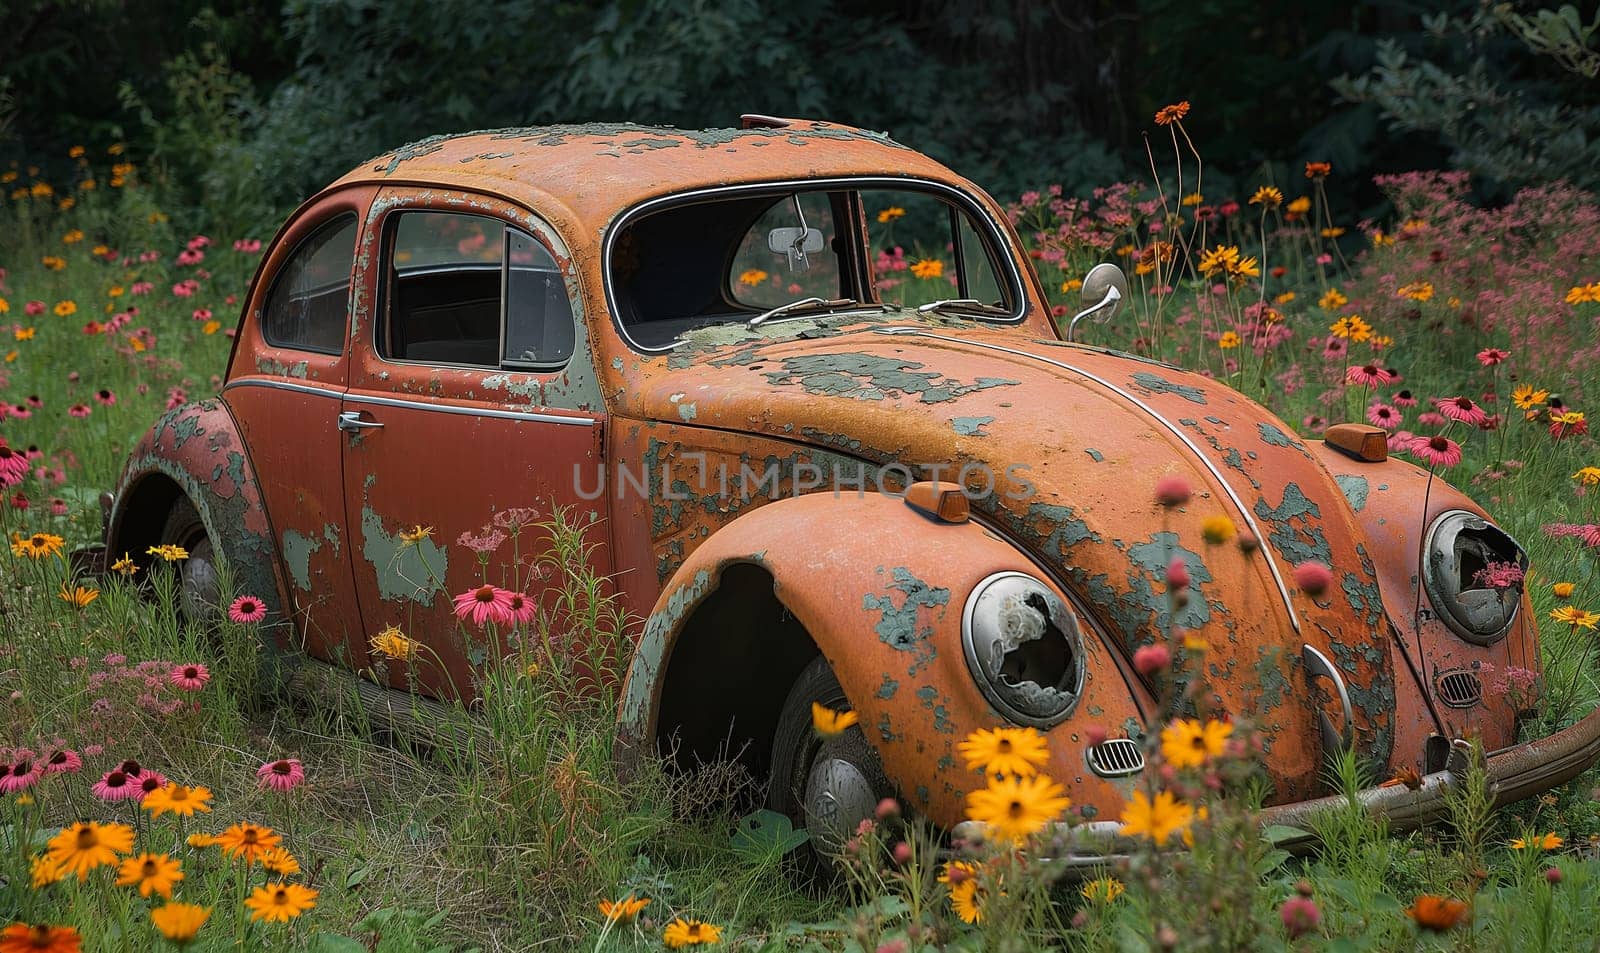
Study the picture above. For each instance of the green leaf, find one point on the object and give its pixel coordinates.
(1281, 833)
(766, 835)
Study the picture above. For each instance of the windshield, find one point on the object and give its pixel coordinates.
(734, 257)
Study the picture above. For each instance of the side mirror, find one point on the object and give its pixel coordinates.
(795, 244)
(1104, 287)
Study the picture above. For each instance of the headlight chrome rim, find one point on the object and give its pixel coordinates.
(1060, 616)
(1443, 590)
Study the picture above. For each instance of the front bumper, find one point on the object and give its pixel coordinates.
(1513, 773)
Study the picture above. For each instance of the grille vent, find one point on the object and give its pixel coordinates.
(1115, 758)
(1460, 688)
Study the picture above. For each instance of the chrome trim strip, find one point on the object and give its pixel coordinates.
(1015, 285)
(1249, 519)
(1318, 666)
(415, 404)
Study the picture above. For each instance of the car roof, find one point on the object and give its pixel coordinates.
(594, 171)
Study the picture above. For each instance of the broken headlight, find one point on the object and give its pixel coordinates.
(1473, 573)
(1023, 646)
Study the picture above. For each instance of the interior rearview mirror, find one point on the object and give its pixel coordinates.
(795, 244)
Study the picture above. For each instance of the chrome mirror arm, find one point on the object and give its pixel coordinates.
(1112, 297)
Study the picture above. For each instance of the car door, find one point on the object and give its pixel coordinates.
(286, 379)
(461, 407)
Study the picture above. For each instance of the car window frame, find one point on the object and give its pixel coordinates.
(377, 342)
(278, 276)
(1013, 283)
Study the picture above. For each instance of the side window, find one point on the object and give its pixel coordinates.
(453, 280)
(539, 327)
(310, 298)
(442, 283)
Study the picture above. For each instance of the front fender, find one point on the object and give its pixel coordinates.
(196, 448)
(880, 588)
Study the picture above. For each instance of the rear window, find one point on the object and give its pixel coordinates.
(307, 308)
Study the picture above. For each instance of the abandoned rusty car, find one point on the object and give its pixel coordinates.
(816, 481)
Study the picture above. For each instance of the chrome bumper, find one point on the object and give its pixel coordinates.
(1513, 774)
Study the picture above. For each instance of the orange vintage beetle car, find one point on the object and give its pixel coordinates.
(735, 348)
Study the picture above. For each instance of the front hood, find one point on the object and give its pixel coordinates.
(1075, 439)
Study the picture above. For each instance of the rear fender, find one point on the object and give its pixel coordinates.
(880, 589)
(195, 451)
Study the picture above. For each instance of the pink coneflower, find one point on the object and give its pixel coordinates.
(33, 308)
(1313, 578)
(151, 782)
(521, 609)
(247, 609)
(182, 289)
(1334, 349)
(202, 314)
(19, 775)
(1437, 451)
(484, 604)
(1173, 490)
(247, 245)
(1150, 659)
(191, 257)
(1490, 356)
(131, 768)
(189, 678)
(1404, 398)
(21, 411)
(1461, 409)
(1586, 533)
(1314, 423)
(1177, 574)
(103, 396)
(116, 786)
(64, 761)
(58, 506)
(1432, 418)
(198, 242)
(285, 774)
(13, 465)
(1382, 415)
(35, 401)
(1368, 375)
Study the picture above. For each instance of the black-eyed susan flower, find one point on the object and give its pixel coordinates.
(150, 873)
(169, 552)
(1013, 751)
(1102, 890)
(624, 910)
(1575, 617)
(177, 799)
(279, 861)
(684, 932)
(37, 545)
(248, 840)
(78, 597)
(829, 723)
(1267, 196)
(1156, 819)
(1550, 841)
(1190, 743)
(1017, 808)
(180, 923)
(81, 847)
(393, 644)
(280, 902)
(39, 938)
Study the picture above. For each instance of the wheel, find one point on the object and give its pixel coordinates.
(199, 588)
(826, 785)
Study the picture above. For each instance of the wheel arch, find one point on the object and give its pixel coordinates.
(878, 589)
(195, 452)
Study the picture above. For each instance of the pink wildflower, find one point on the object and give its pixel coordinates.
(247, 609)
(190, 678)
(1173, 490)
(1461, 409)
(521, 608)
(1382, 415)
(33, 308)
(1498, 576)
(1586, 533)
(1177, 574)
(1368, 375)
(1150, 659)
(1404, 398)
(116, 785)
(484, 604)
(1313, 578)
(285, 774)
(19, 775)
(1300, 916)
(1437, 451)
(63, 761)
(1490, 356)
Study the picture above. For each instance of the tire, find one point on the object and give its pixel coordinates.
(827, 786)
(199, 587)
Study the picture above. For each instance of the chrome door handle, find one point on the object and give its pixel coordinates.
(351, 420)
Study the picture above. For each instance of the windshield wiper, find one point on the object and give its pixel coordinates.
(800, 305)
(962, 304)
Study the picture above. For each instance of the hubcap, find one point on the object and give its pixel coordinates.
(839, 796)
(198, 584)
